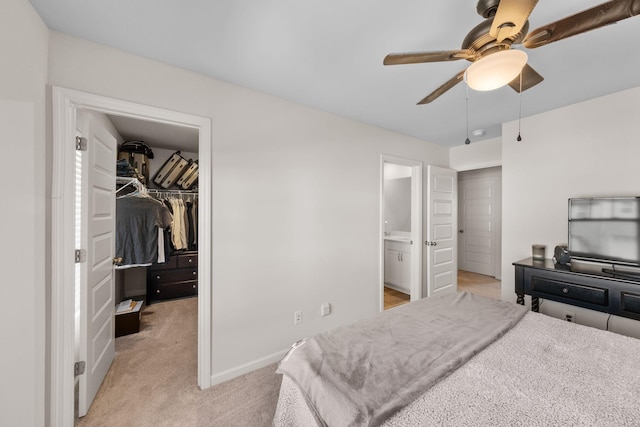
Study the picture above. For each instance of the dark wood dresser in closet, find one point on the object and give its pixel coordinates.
(177, 277)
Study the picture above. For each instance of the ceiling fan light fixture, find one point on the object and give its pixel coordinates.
(495, 70)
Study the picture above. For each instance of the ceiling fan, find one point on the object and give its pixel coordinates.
(506, 23)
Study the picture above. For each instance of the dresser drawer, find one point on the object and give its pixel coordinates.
(170, 263)
(572, 291)
(187, 260)
(174, 289)
(166, 276)
(630, 303)
(176, 278)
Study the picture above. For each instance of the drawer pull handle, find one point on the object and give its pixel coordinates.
(190, 260)
(194, 273)
(194, 286)
(158, 277)
(157, 291)
(565, 290)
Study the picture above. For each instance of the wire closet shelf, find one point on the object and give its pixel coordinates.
(160, 193)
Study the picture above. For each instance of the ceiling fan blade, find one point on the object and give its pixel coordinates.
(510, 18)
(530, 78)
(442, 89)
(419, 57)
(590, 19)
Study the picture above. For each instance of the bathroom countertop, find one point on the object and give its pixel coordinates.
(394, 238)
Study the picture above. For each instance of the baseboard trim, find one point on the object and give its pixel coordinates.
(247, 367)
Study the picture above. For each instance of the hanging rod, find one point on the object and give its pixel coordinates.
(163, 191)
(166, 194)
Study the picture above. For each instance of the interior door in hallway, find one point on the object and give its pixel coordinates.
(95, 312)
(442, 223)
(479, 221)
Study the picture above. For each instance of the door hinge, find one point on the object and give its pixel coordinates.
(80, 255)
(78, 368)
(81, 143)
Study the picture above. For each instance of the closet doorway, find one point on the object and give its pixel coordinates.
(66, 105)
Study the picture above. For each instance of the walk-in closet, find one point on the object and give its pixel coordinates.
(156, 236)
(156, 213)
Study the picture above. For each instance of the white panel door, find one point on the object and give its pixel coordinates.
(96, 299)
(477, 232)
(442, 225)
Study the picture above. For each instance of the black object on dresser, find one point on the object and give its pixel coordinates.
(601, 291)
(177, 277)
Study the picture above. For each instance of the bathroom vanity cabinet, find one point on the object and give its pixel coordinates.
(397, 265)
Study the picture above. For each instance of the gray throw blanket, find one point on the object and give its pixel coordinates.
(361, 374)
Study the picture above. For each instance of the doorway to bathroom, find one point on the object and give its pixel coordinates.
(401, 231)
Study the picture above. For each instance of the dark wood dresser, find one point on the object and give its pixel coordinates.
(595, 290)
(177, 277)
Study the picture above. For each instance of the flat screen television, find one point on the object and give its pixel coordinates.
(605, 229)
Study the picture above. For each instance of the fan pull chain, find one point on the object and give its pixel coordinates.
(467, 141)
(519, 138)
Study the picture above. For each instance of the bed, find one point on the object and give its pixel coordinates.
(460, 360)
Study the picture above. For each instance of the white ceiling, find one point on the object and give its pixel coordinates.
(157, 135)
(328, 54)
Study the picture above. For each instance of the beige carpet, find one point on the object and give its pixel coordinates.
(153, 380)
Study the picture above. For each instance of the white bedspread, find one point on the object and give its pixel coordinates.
(362, 373)
(543, 372)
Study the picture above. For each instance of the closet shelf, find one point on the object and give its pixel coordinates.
(181, 194)
(126, 181)
(167, 191)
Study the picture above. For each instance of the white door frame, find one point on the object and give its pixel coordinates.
(416, 225)
(65, 104)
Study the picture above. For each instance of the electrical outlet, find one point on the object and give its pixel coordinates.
(570, 317)
(297, 317)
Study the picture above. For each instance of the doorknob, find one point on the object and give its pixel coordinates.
(461, 231)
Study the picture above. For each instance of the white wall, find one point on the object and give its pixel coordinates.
(23, 65)
(295, 199)
(477, 155)
(586, 149)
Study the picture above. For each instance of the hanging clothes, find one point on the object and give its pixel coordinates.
(178, 226)
(191, 229)
(182, 234)
(185, 225)
(194, 221)
(138, 223)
